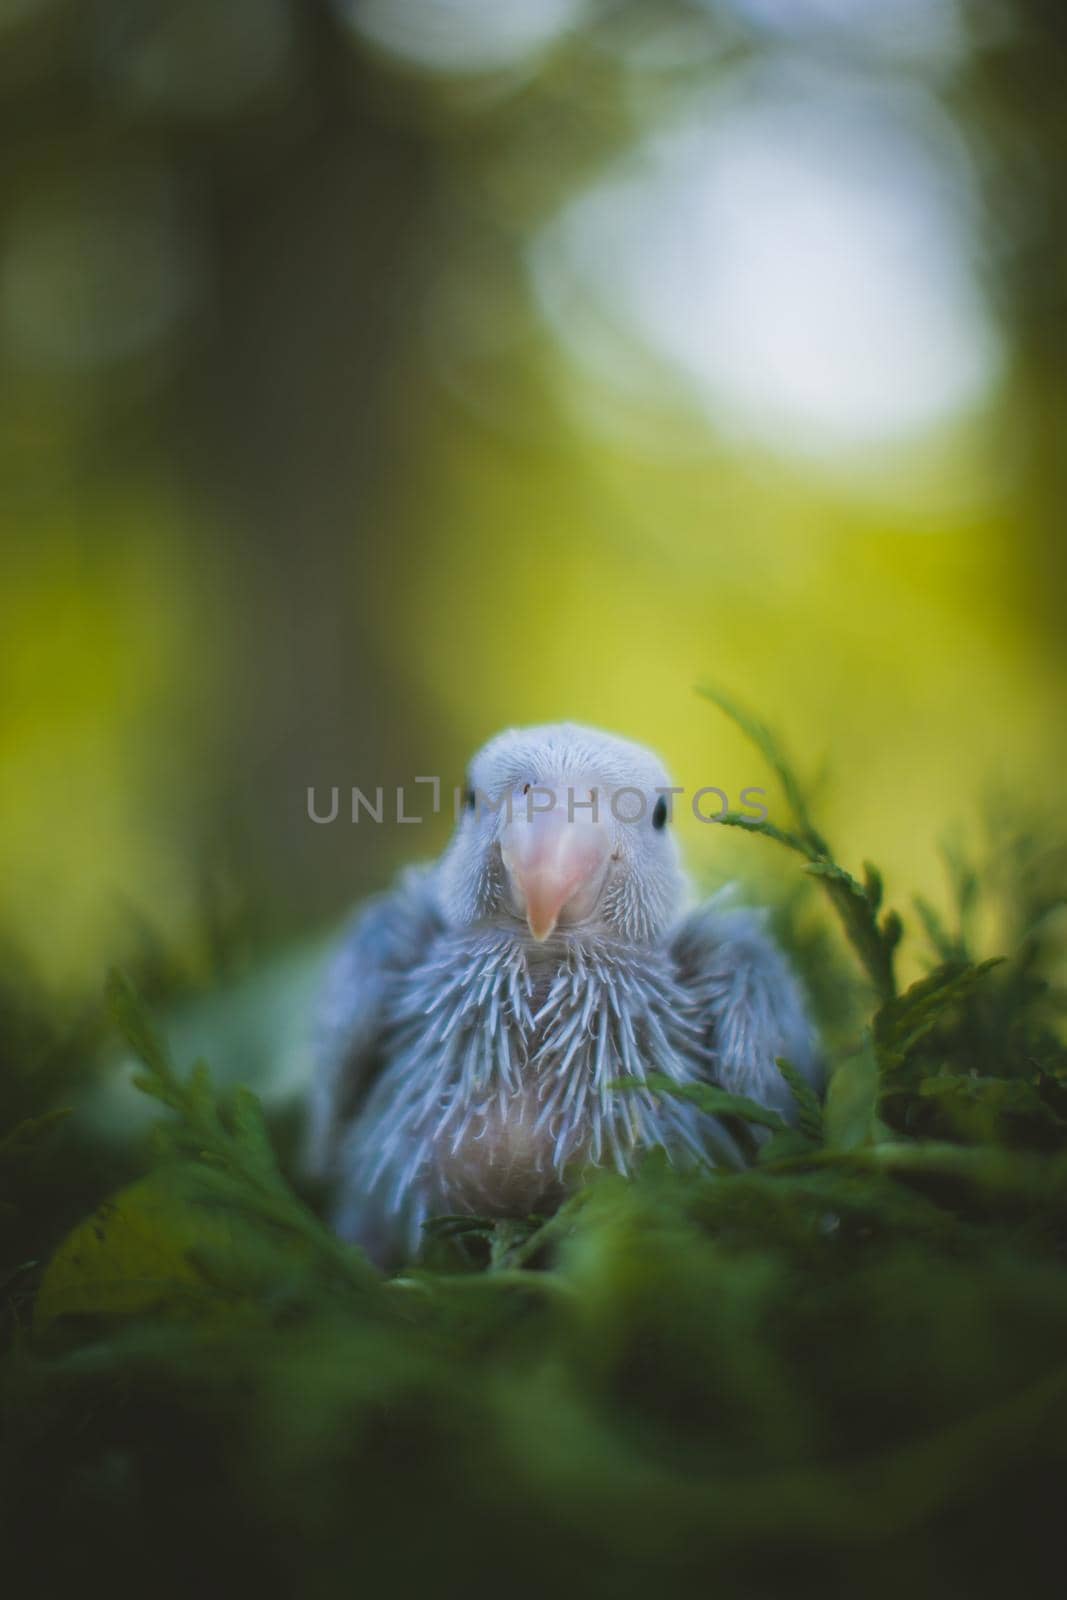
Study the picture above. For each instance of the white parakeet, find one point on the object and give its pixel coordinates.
(475, 1018)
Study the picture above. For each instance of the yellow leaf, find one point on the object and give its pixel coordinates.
(137, 1254)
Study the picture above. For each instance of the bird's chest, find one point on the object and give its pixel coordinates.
(514, 1108)
(500, 1158)
(502, 1085)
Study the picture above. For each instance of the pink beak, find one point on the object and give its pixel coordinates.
(556, 865)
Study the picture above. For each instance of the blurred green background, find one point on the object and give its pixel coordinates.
(379, 374)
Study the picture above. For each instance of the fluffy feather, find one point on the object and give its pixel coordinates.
(464, 1066)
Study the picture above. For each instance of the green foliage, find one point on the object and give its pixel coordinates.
(809, 1116)
(837, 1369)
(857, 904)
(710, 1098)
(226, 1144)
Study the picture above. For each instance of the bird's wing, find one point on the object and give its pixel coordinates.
(383, 941)
(752, 1003)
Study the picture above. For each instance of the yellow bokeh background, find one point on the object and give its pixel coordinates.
(307, 488)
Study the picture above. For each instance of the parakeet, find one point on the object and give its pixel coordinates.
(476, 1019)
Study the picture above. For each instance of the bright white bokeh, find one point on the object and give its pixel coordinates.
(931, 32)
(461, 36)
(797, 255)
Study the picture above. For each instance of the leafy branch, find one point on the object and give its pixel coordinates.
(857, 904)
(742, 1114)
(226, 1140)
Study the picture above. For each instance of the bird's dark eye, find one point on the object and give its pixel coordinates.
(526, 788)
(659, 814)
(470, 799)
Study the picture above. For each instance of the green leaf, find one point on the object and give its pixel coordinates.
(228, 1134)
(707, 1097)
(902, 1022)
(851, 1111)
(792, 841)
(838, 875)
(147, 1044)
(769, 747)
(945, 947)
(873, 886)
(856, 904)
(904, 1059)
(987, 1109)
(134, 1257)
(788, 1144)
(809, 1107)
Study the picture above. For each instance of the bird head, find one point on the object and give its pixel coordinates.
(565, 830)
